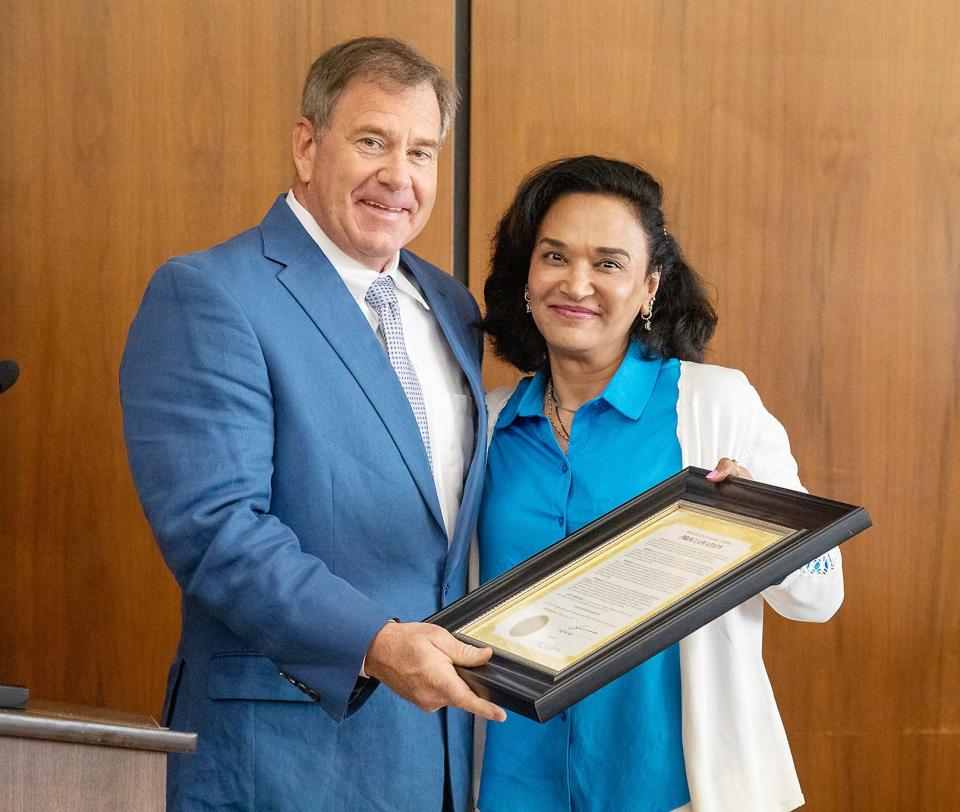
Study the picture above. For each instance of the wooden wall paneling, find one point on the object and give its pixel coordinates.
(130, 132)
(810, 155)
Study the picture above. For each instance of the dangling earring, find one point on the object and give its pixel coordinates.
(649, 317)
(526, 298)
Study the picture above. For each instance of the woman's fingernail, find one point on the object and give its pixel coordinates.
(712, 474)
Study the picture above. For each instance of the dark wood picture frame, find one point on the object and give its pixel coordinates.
(820, 525)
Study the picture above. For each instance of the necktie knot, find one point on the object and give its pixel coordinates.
(381, 294)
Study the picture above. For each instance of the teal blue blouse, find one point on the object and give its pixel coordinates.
(620, 748)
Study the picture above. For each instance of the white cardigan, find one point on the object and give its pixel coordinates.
(734, 745)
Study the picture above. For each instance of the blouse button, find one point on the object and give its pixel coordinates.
(564, 468)
(560, 520)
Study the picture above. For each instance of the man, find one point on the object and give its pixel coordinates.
(304, 418)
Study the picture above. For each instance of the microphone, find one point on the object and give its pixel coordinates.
(9, 372)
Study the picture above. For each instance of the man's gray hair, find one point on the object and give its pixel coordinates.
(381, 60)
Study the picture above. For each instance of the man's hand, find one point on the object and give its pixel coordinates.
(726, 468)
(416, 661)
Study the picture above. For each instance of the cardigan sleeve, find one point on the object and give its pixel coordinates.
(815, 591)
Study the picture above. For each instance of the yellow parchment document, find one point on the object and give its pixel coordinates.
(605, 593)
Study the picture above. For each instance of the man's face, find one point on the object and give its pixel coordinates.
(370, 180)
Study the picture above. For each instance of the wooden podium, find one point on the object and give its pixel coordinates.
(60, 757)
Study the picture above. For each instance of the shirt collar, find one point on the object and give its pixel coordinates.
(356, 276)
(628, 390)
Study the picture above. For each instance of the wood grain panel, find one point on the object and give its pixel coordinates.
(810, 154)
(59, 777)
(130, 132)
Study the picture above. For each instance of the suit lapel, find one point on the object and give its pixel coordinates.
(459, 336)
(451, 323)
(317, 287)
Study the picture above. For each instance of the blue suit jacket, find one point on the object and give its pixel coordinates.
(281, 469)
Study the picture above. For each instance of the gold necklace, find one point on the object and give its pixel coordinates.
(559, 405)
(554, 414)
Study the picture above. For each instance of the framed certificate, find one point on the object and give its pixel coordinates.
(590, 607)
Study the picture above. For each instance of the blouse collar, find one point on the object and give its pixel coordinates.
(628, 390)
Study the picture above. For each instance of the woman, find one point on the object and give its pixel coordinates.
(590, 292)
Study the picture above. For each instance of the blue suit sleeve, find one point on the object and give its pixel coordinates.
(199, 428)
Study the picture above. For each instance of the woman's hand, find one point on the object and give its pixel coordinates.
(727, 468)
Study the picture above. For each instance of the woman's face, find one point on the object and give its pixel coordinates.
(587, 277)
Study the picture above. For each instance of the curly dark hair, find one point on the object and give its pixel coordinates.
(684, 321)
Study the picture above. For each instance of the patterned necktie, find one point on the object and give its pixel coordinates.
(382, 297)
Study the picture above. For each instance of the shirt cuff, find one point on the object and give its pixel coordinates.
(363, 662)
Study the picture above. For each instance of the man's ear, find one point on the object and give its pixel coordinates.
(304, 148)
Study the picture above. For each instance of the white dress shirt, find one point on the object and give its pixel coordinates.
(445, 390)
